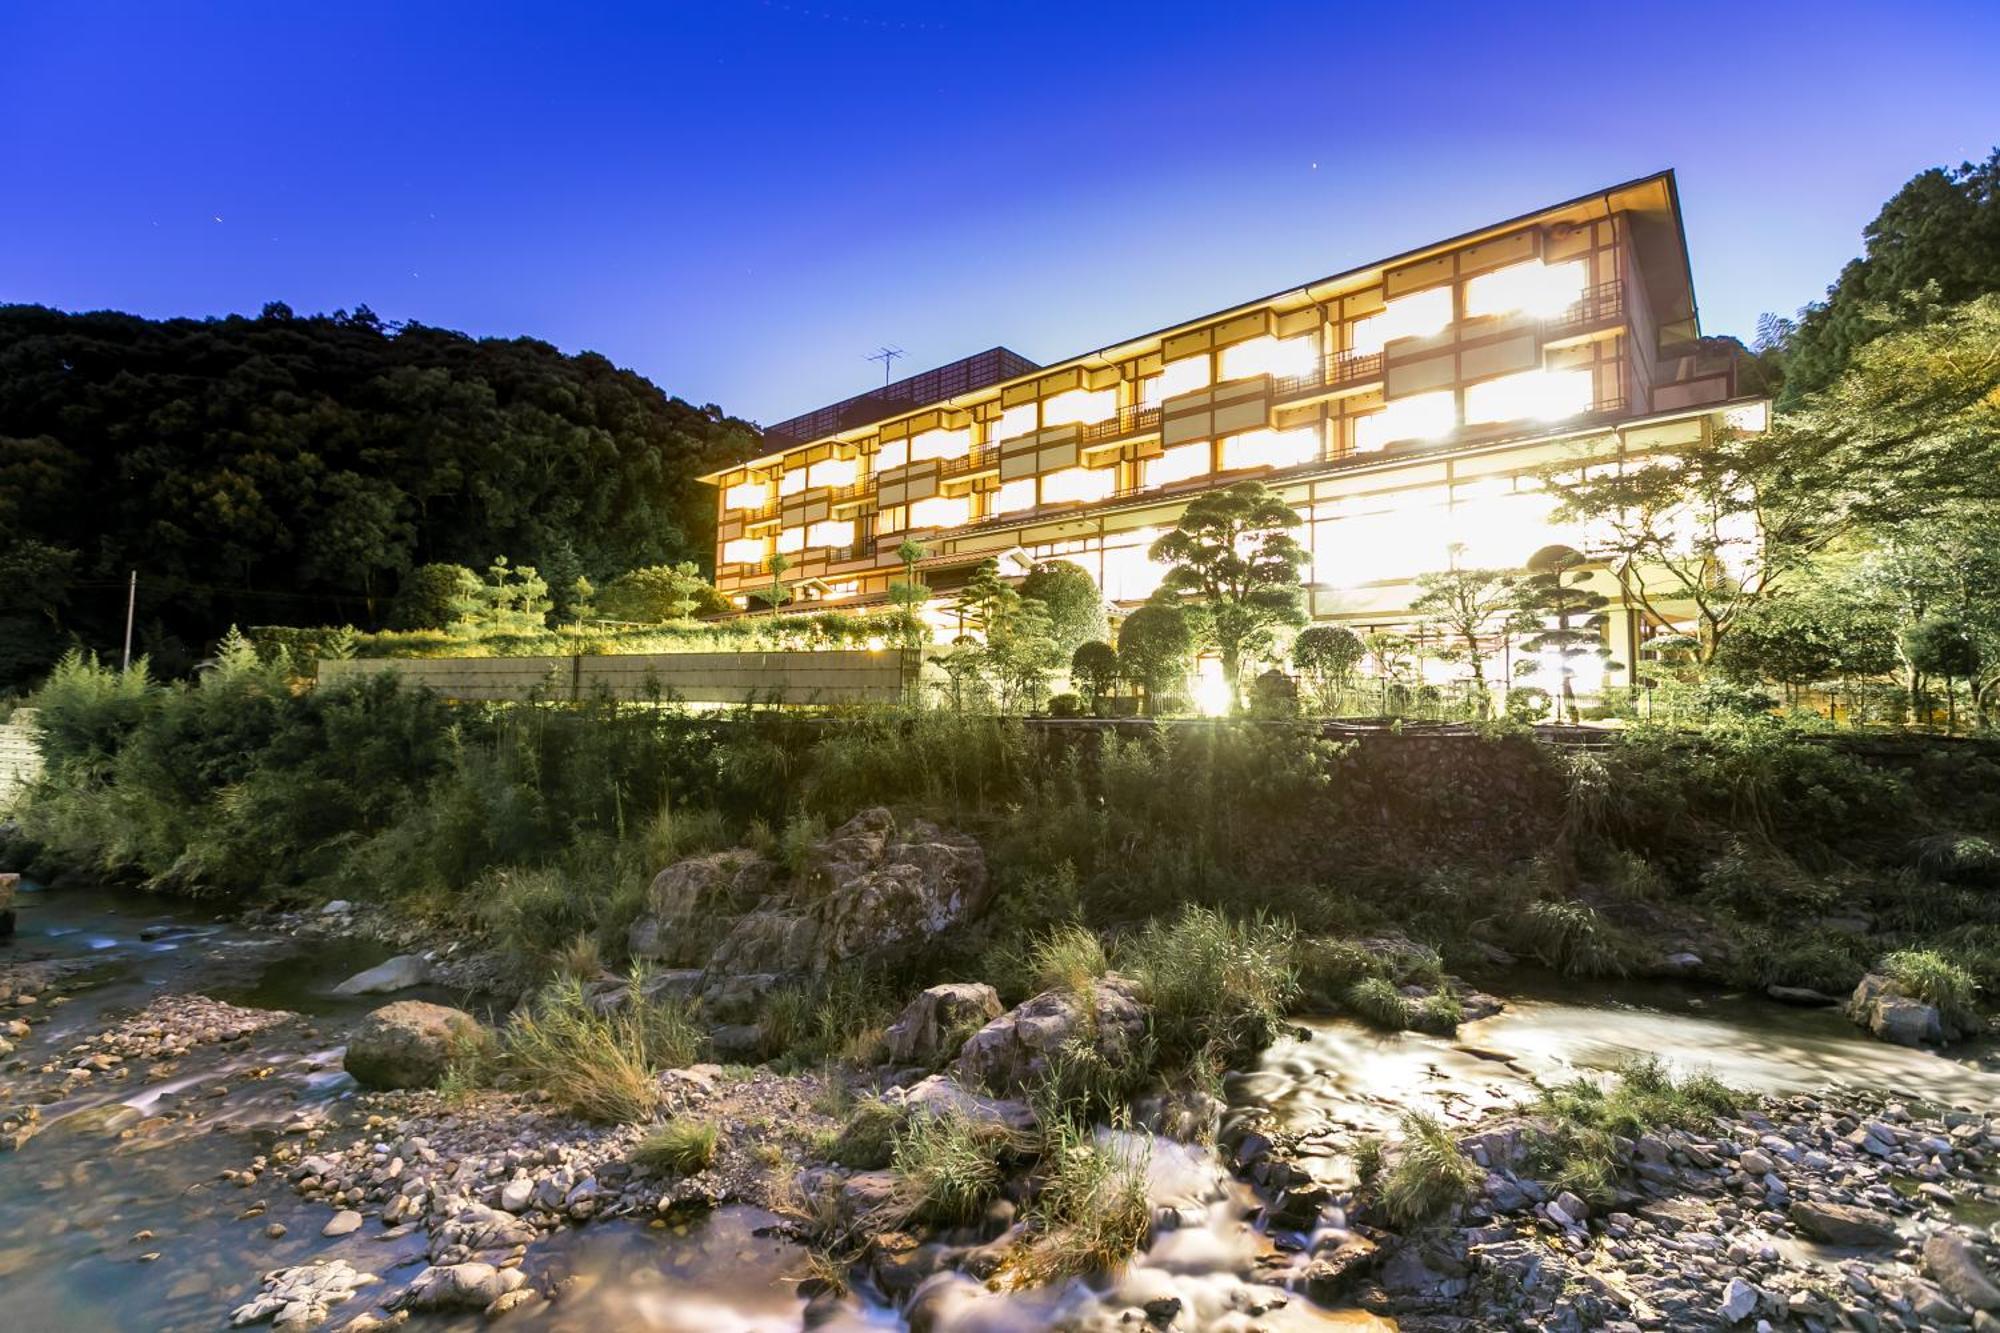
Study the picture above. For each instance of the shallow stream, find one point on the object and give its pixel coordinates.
(110, 1220)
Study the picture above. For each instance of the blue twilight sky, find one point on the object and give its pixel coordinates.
(742, 199)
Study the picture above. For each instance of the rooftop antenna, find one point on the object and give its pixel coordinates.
(887, 356)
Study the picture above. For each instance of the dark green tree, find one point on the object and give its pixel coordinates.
(1156, 648)
(1939, 646)
(1939, 235)
(1232, 555)
(1568, 613)
(656, 594)
(1075, 606)
(1472, 612)
(1094, 668)
(909, 595)
(1325, 656)
(777, 592)
(435, 596)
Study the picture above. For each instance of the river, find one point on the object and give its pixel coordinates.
(114, 1217)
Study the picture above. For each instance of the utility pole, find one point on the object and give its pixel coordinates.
(887, 356)
(131, 605)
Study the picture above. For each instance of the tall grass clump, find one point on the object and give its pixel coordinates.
(947, 1168)
(1571, 938)
(1376, 1001)
(1586, 1119)
(1067, 958)
(1090, 1211)
(1429, 1175)
(682, 1147)
(600, 1066)
(1218, 985)
(1930, 976)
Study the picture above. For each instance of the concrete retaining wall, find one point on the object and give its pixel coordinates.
(843, 676)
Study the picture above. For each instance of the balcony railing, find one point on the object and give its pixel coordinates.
(1129, 421)
(1601, 304)
(1333, 372)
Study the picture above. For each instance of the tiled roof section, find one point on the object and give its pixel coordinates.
(931, 386)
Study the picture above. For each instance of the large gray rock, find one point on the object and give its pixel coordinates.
(1950, 1259)
(1881, 1007)
(467, 1286)
(932, 1026)
(407, 1044)
(870, 889)
(939, 1095)
(1842, 1224)
(399, 973)
(1016, 1049)
(692, 903)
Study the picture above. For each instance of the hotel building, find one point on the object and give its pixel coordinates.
(1402, 408)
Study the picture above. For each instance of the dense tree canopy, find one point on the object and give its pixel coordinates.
(288, 469)
(1939, 236)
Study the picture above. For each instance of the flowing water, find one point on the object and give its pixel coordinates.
(112, 1220)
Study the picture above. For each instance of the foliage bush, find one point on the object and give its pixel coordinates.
(1218, 986)
(1930, 976)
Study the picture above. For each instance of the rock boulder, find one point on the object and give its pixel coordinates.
(692, 903)
(1017, 1048)
(1879, 1005)
(398, 973)
(932, 1026)
(407, 1044)
(1842, 1224)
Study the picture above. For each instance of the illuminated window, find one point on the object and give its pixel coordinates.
(1532, 395)
(940, 444)
(941, 511)
(1271, 448)
(1176, 377)
(1178, 464)
(1270, 356)
(1418, 315)
(1079, 405)
(1129, 573)
(791, 539)
(893, 454)
(1533, 288)
(1013, 423)
(1078, 483)
(833, 472)
(744, 551)
(1014, 496)
(792, 482)
(833, 592)
(1421, 416)
(831, 532)
(748, 495)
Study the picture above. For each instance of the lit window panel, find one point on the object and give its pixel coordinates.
(744, 551)
(1418, 315)
(1078, 484)
(1079, 406)
(833, 472)
(1421, 416)
(791, 539)
(1015, 422)
(1532, 395)
(940, 444)
(893, 454)
(941, 511)
(748, 495)
(1271, 448)
(831, 532)
(1270, 356)
(1176, 377)
(1534, 288)
(1180, 463)
(792, 482)
(1014, 496)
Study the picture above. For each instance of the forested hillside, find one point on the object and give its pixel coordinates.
(289, 469)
